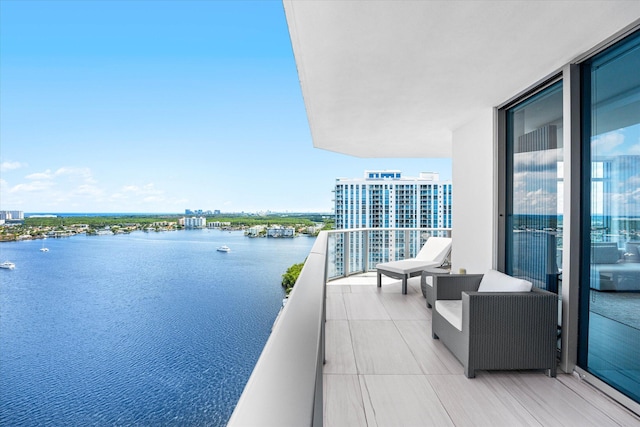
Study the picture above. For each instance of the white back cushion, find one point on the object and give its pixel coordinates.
(435, 249)
(495, 281)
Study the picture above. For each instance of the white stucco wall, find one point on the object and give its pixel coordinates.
(473, 204)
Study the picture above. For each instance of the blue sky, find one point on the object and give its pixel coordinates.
(158, 106)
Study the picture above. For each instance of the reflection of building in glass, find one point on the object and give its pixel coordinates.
(615, 198)
(534, 232)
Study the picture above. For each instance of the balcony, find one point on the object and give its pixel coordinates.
(345, 352)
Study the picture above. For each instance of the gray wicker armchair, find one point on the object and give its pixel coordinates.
(499, 330)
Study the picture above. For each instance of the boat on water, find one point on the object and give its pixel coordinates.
(44, 249)
(8, 265)
(224, 248)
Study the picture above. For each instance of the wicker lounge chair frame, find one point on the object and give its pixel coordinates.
(500, 330)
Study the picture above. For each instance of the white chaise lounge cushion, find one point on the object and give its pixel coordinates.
(451, 311)
(495, 281)
(433, 254)
(435, 249)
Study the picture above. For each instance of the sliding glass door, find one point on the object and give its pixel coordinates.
(610, 285)
(534, 174)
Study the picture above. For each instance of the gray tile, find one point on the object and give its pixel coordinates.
(369, 289)
(335, 306)
(475, 402)
(343, 405)
(403, 400)
(598, 400)
(404, 307)
(362, 306)
(431, 355)
(550, 401)
(400, 366)
(336, 288)
(339, 353)
(380, 349)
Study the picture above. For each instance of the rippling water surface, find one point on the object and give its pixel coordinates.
(140, 329)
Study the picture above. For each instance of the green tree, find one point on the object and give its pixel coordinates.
(289, 278)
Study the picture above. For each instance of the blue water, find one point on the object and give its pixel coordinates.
(140, 329)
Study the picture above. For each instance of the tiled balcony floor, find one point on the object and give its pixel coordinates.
(384, 369)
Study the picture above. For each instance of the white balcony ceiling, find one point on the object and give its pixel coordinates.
(396, 78)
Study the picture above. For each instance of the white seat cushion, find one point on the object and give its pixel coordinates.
(495, 281)
(406, 266)
(451, 310)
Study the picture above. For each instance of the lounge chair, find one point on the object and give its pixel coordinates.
(495, 321)
(433, 254)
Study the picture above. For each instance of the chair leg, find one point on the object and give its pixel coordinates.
(379, 279)
(469, 372)
(404, 284)
(434, 336)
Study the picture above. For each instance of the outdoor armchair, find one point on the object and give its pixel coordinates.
(497, 327)
(426, 283)
(433, 254)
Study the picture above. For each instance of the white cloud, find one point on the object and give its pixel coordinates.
(88, 190)
(34, 186)
(148, 189)
(539, 201)
(9, 166)
(153, 199)
(84, 173)
(67, 189)
(40, 175)
(607, 143)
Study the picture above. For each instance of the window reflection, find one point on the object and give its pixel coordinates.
(534, 217)
(612, 93)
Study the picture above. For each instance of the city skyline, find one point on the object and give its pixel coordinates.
(158, 107)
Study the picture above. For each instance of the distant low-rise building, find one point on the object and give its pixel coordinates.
(280, 231)
(256, 231)
(195, 222)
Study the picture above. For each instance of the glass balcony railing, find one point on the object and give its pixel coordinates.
(358, 250)
(286, 387)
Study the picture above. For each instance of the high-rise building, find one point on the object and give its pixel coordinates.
(383, 199)
(11, 215)
(386, 199)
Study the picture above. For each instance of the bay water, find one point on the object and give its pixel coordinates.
(139, 329)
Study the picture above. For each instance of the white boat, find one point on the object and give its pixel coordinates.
(224, 248)
(8, 265)
(44, 249)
